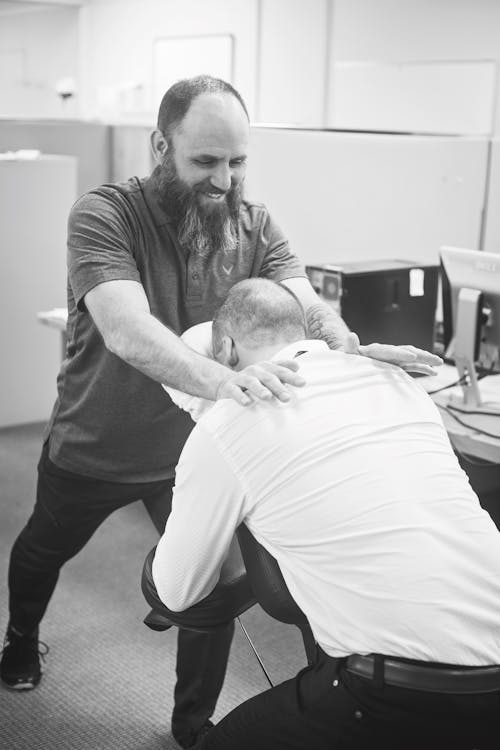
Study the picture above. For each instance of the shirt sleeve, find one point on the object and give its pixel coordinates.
(207, 507)
(100, 243)
(279, 261)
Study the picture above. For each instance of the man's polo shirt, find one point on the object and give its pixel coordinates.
(110, 421)
(354, 488)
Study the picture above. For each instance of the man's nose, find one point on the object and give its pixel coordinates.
(221, 177)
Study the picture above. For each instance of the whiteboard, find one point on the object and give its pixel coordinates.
(425, 97)
(359, 196)
(187, 56)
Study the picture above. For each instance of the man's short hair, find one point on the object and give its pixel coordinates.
(179, 97)
(259, 312)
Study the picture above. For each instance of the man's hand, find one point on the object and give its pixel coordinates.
(261, 382)
(407, 357)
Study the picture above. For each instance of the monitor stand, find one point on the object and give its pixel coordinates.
(465, 350)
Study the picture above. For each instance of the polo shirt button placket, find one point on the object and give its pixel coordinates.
(193, 281)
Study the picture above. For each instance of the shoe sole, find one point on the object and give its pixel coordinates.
(20, 686)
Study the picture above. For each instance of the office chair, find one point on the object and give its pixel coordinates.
(263, 582)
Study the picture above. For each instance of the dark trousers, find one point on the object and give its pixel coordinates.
(68, 509)
(325, 707)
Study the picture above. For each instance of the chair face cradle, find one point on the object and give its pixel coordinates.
(263, 582)
(226, 602)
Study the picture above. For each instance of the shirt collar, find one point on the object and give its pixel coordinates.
(301, 347)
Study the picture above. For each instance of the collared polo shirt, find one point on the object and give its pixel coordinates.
(110, 421)
(354, 488)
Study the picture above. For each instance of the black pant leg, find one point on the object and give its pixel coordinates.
(201, 657)
(68, 509)
(49, 539)
(201, 668)
(277, 719)
(322, 710)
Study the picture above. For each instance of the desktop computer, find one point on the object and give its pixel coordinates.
(387, 301)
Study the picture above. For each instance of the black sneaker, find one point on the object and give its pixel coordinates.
(20, 667)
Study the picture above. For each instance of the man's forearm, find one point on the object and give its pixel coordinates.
(324, 323)
(152, 348)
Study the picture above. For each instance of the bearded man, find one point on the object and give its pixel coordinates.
(148, 259)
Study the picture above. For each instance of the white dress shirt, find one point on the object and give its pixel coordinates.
(354, 488)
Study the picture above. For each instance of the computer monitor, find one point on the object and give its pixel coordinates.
(472, 279)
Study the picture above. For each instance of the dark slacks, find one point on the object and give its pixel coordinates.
(68, 509)
(327, 708)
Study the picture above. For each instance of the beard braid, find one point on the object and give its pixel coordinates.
(200, 230)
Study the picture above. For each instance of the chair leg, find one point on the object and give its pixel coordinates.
(262, 666)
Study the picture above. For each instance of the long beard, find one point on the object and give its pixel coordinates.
(200, 229)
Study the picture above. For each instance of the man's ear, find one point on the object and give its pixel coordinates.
(159, 146)
(227, 354)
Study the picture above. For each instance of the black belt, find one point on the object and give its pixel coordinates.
(429, 679)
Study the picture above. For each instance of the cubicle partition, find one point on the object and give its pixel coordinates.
(492, 217)
(36, 197)
(88, 141)
(344, 196)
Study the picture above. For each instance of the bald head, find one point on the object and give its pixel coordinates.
(258, 318)
(179, 98)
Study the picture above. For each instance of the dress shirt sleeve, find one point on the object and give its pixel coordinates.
(207, 507)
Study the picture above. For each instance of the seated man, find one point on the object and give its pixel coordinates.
(354, 488)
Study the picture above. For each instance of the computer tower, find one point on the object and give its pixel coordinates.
(387, 301)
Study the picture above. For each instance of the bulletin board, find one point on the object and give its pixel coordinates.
(177, 57)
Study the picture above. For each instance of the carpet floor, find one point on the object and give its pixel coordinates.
(108, 679)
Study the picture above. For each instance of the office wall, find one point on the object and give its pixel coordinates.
(293, 46)
(117, 39)
(285, 50)
(422, 30)
(37, 48)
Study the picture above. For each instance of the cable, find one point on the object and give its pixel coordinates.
(465, 424)
(481, 373)
(478, 412)
(451, 385)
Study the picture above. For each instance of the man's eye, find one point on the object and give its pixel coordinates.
(204, 162)
(237, 162)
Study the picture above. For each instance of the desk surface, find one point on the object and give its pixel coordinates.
(467, 437)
